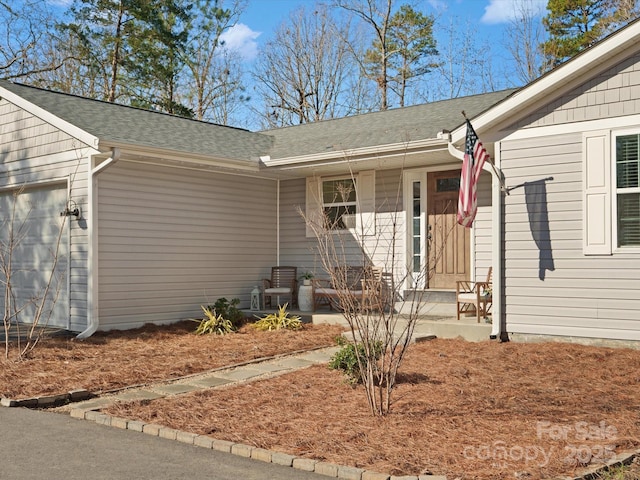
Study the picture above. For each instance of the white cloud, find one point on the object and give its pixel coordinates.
(503, 11)
(60, 3)
(241, 39)
(439, 5)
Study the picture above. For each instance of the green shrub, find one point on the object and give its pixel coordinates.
(279, 320)
(346, 359)
(229, 311)
(213, 323)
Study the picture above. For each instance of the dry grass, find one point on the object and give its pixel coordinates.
(465, 410)
(111, 360)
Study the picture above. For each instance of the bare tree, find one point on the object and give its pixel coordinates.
(301, 73)
(214, 87)
(377, 15)
(26, 28)
(523, 36)
(465, 66)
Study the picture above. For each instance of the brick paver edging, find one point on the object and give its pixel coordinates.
(322, 468)
(247, 451)
(48, 401)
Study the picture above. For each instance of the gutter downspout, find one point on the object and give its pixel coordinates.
(278, 222)
(497, 331)
(92, 278)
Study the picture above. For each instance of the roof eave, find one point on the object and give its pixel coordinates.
(355, 153)
(186, 158)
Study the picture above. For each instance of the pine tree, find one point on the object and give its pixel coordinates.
(131, 48)
(574, 25)
(411, 48)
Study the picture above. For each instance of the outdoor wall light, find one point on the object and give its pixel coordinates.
(71, 210)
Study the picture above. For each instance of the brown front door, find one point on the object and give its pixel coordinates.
(449, 243)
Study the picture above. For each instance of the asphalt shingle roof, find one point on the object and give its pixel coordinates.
(418, 122)
(137, 127)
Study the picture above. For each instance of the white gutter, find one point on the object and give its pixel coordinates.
(278, 222)
(195, 159)
(497, 186)
(368, 152)
(496, 234)
(92, 280)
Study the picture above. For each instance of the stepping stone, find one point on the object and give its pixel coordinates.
(240, 374)
(296, 362)
(95, 404)
(269, 367)
(137, 394)
(174, 388)
(320, 356)
(208, 382)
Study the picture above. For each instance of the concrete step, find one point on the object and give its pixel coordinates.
(431, 296)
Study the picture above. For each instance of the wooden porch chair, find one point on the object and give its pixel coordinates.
(283, 283)
(474, 294)
(350, 287)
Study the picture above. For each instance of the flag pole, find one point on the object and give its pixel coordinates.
(503, 187)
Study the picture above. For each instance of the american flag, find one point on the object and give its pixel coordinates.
(474, 158)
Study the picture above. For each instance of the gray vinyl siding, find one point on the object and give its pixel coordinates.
(483, 228)
(387, 247)
(612, 94)
(301, 251)
(295, 248)
(171, 240)
(26, 138)
(583, 296)
(33, 152)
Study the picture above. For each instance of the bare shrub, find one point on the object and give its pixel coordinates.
(366, 268)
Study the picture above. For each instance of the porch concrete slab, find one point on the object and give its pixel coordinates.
(175, 388)
(329, 318)
(428, 309)
(209, 381)
(472, 332)
(240, 373)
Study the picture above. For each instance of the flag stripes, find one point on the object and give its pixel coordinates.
(474, 157)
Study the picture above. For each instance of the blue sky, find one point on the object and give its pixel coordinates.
(262, 17)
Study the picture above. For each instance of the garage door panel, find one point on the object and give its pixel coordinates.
(40, 234)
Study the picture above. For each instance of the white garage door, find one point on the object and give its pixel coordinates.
(40, 235)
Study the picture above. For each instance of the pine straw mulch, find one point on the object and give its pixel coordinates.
(466, 410)
(116, 359)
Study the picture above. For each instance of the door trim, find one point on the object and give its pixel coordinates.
(420, 174)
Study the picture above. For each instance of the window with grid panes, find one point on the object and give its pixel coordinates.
(339, 203)
(628, 189)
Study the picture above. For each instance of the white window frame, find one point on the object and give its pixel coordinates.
(365, 216)
(354, 203)
(615, 190)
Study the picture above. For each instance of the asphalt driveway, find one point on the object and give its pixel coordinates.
(39, 444)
